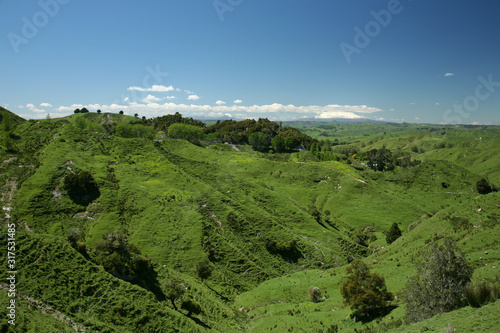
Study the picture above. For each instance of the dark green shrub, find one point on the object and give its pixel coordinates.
(443, 273)
(483, 187)
(315, 294)
(203, 269)
(365, 292)
(259, 140)
(393, 233)
(81, 187)
(191, 307)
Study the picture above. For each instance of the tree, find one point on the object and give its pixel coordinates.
(174, 289)
(442, 277)
(278, 143)
(393, 233)
(483, 187)
(191, 307)
(84, 110)
(98, 111)
(203, 269)
(259, 140)
(121, 112)
(365, 292)
(290, 143)
(314, 294)
(184, 131)
(77, 111)
(136, 115)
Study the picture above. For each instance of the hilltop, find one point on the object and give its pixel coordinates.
(269, 218)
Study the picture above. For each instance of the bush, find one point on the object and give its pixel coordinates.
(191, 307)
(174, 289)
(81, 187)
(483, 187)
(315, 294)
(365, 292)
(442, 276)
(126, 130)
(259, 141)
(187, 132)
(203, 269)
(393, 233)
(481, 294)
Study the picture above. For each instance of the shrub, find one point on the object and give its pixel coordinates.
(191, 307)
(483, 187)
(81, 187)
(174, 289)
(126, 130)
(442, 276)
(259, 140)
(365, 292)
(393, 233)
(203, 269)
(184, 131)
(481, 294)
(315, 294)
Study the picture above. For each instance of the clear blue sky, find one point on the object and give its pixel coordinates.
(419, 61)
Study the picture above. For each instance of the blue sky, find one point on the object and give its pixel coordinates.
(415, 61)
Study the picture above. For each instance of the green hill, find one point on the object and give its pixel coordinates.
(271, 224)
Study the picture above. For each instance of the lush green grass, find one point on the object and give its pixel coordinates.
(182, 203)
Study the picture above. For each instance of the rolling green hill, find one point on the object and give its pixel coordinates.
(270, 224)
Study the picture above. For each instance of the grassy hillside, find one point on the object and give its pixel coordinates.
(270, 224)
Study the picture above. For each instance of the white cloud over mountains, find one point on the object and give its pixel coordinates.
(154, 88)
(151, 108)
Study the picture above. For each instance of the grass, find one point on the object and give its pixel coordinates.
(182, 203)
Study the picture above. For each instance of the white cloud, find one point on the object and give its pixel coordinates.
(437, 103)
(238, 101)
(275, 111)
(189, 92)
(154, 88)
(417, 118)
(46, 105)
(171, 97)
(412, 103)
(151, 99)
(449, 74)
(220, 102)
(126, 99)
(193, 97)
(33, 108)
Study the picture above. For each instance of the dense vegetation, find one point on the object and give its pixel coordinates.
(126, 224)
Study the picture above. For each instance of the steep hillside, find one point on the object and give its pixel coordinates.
(269, 224)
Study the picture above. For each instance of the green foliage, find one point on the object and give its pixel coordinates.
(393, 233)
(278, 143)
(184, 131)
(81, 187)
(482, 293)
(365, 292)
(483, 187)
(315, 294)
(127, 130)
(259, 140)
(174, 289)
(191, 307)
(203, 269)
(442, 276)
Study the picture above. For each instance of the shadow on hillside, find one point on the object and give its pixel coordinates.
(378, 314)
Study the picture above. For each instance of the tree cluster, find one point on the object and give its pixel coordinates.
(443, 274)
(365, 292)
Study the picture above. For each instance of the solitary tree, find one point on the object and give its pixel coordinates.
(191, 307)
(314, 294)
(174, 289)
(98, 111)
(365, 292)
(121, 112)
(203, 269)
(136, 115)
(442, 277)
(393, 233)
